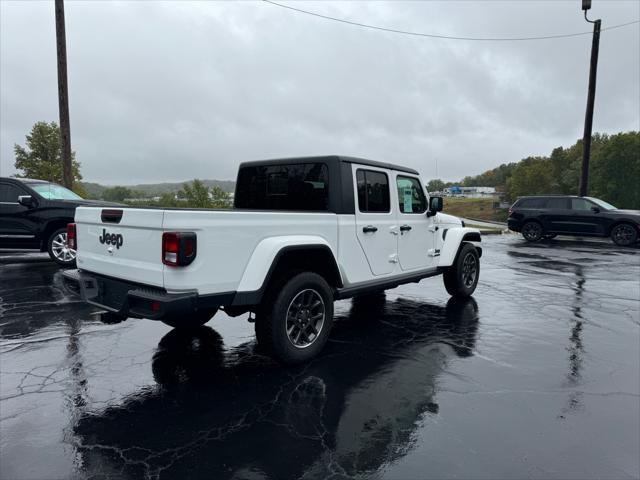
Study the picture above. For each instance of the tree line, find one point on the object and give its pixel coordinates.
(614, 173)
(194, 194)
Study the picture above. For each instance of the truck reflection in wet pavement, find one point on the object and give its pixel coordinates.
(230, 413)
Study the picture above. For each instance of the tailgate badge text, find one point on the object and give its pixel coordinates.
(111, 239)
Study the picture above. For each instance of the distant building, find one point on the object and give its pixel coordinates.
(470, 192)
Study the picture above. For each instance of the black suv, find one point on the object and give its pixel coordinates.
(34, 214)
(548, 216)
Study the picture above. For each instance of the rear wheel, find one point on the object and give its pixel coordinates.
(461, 278)
(189, 321)
(624, 235)
(59, 249)
(297, 319)
(532, 231)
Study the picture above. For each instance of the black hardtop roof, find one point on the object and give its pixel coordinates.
(329, 159)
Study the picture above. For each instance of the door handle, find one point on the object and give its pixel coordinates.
(369, 229)
(405, 228)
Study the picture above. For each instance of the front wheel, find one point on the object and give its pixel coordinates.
(296, 322)
(461, 278)
(59, 249)
(624, 235)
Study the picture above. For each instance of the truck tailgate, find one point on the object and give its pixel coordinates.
(130, 249)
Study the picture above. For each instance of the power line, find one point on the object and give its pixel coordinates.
(446, 37)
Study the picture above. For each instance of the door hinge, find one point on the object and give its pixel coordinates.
(433, 252)
(393, 258)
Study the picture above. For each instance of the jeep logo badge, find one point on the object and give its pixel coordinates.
(111, 239)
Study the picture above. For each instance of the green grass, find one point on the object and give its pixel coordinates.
(480, 208)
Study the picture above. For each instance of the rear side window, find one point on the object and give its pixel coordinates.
(373, 191)
(10, 193)
(411, 197)
(303, 186)
(580, 204)
(532, 203)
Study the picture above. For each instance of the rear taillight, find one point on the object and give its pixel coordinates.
(179, 248)
(72, 238)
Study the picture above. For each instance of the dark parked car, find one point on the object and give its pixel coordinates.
(548, 216)
(34, 215)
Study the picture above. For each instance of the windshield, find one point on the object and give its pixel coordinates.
(602, 203)
(51, 191)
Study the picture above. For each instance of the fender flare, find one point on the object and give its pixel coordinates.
(454, 239)
(264, 260)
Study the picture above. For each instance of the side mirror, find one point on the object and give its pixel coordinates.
(595, 209)
(435, 206)
(26, 201)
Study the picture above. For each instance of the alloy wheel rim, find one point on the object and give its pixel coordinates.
(531, 230)
(469, 270)
(61, 250)
(305, 318)
(624, 234)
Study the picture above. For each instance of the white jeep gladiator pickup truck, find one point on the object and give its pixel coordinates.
(303, 232)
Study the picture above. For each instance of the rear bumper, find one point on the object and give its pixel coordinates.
(127, 299)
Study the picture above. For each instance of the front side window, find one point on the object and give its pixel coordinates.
(51, 191)
(373, 191)
(411, 197)
(603, 204)
(580, 204)
(302, 186)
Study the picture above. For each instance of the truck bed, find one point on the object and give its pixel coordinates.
(226, 239)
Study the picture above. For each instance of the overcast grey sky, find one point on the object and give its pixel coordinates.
(167, 91)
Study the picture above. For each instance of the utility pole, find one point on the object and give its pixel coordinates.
(588, 118)
(63, 95)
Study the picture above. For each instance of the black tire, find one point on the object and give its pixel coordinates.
(532, 231)
(624, 234)
(296, 320)
(461, 278)
(58, 249)
(189, 321)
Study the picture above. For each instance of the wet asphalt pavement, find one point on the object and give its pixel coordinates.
(536, 377)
